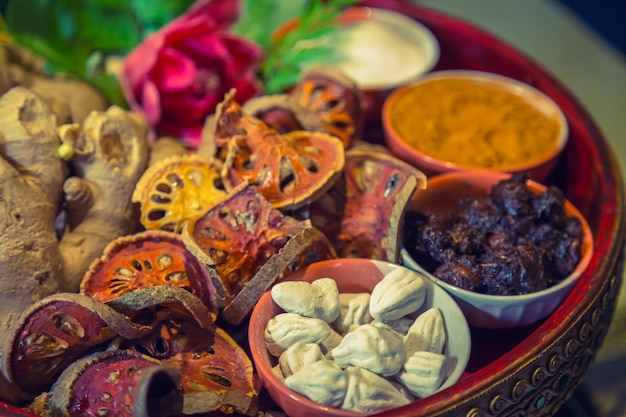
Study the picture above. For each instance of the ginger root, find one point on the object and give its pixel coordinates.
(71, 99)
(110, 154)
(31, 178)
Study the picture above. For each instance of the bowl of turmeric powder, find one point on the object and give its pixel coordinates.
(462, 119)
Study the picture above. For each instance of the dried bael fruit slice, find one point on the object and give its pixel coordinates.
(281, 112)
(177, 190)
(163, 302)
(250, 244)
(55, 332)
(289, 170)
(363, 213)
(335, 98)
(216, 372)
(148, 259)
(120, 383)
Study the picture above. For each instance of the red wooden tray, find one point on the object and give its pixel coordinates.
(533, 370)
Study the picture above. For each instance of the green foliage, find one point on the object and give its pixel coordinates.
(306, 43)
(67, 33)
(77, 36)
(260, 18)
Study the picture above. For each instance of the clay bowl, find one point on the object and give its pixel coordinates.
(494, 311)
(474, 120)
(351, 275)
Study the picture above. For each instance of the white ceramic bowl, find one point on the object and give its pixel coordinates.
(351, 275)
(494, 311)
(372, 40)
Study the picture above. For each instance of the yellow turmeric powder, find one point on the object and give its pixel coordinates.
(473, 124)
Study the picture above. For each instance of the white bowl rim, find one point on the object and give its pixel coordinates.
(422, 37)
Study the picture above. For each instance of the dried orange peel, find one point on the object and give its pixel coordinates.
(177, 190)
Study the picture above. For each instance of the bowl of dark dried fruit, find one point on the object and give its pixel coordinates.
(508, 249)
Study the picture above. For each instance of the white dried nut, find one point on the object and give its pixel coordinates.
(285, 329)
(318, 299)
(323, 382)
(404, 390)
(423, 373)
(299, 355)
(379, 349)
(399, 293)
(332, 341)
(370, 393)
(278, 372)
(427, 333)
(401, 325)
(355, 309)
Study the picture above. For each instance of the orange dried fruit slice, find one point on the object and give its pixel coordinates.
(363, 213)
(249, 245)
(281, 112)
(55, 332)
(217, 374)
(177, 190)
(289, 170)
(120, 383)
(335, 98)
(148, 259)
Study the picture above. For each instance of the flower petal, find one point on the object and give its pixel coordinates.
(244, 54)
(186, 108)
(190, 135)
(140, 61)
(151, 102)
(174, 71)
(225, 12)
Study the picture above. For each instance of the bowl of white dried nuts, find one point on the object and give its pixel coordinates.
(345, 337)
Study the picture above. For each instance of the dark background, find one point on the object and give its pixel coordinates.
(606, 17)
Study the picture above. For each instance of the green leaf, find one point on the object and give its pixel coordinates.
(306, 43)
(261, 18)
(108, 30)
(152, 15)
(41, 48)
(110, 87)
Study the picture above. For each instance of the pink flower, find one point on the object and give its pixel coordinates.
(178, 75)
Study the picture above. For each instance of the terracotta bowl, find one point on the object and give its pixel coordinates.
(351, 275)
(494, 311)
(417, 145)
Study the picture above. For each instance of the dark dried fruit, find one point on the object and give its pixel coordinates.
(508, 242)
